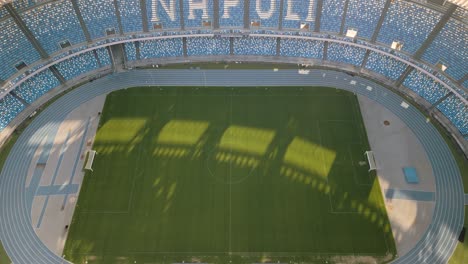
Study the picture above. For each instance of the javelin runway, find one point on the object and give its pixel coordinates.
(23, 246)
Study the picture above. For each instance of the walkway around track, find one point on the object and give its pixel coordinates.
(23, 246)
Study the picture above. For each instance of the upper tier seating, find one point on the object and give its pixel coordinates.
(255, 46)
(195, 12)
(234, 15)
(424, 86)
(22, 4)
(207, 46)
(408, 23)
(98, 16)
(346, 54)
(385, 65)
(332, 14)
(130, 14)
(301, 48)
(363, 15)
(3, 12)
(299, 12)
(161, 48)
(265, 11)
(78, 65)
(37, 86)
(168, 16)
(52, 23)
(14, 47)
(10, 107)
(450, 47)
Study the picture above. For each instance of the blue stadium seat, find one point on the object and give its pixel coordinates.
(385, 65)
(78, 65)
(23, 4)
(10, 107)
(130, 51)
(265, 11)
(345, 54)
(299, 12)
(255, 46)
(450, 46)
(166, 15)
(52, 23)
(332, 14)
(3, 12)
(424, 86)
(195, 13)
(202, 46)
(37, 86)
(408, 23)
(291, 47)
(130, 14)
(104, 57)
(98, 16)
(363, 15)
(456, 111)
(446, 80)
(231, 16)
(161, 48)
(14, 47)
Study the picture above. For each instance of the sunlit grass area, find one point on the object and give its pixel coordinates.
(230, 175)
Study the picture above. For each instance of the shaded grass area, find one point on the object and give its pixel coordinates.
(230, 174)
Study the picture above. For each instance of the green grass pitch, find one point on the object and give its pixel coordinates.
(230, 175)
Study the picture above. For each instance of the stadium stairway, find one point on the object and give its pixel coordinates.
(23, 246)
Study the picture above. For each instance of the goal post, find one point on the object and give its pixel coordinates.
(371, 160)
(90, 160)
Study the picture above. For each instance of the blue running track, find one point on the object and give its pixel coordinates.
(23, 246)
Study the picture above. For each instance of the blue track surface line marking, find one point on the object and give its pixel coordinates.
(77, 159)
(57, 189)
(45, 151)
(37, 174)
(34, 184)
(59, 163)
(410, 195)
(39, 222)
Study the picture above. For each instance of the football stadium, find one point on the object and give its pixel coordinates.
(233, 131)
